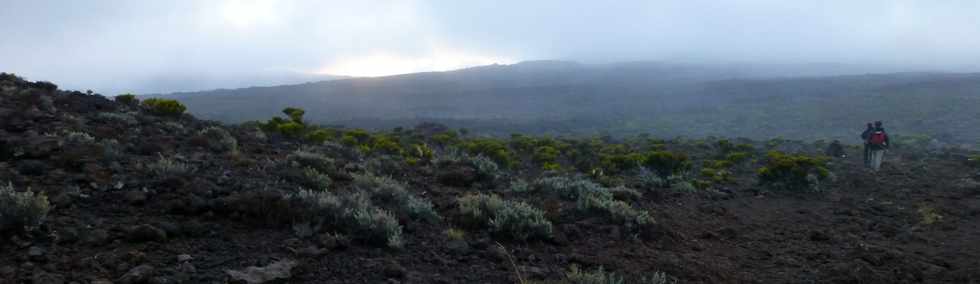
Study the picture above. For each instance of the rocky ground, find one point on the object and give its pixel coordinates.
(137, 197)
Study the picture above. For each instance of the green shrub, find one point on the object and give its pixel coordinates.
(318, 136)
(386, 145)
(420, 152)
(294, 114)
(20, 210)
(127, 99)
(492, 148)
(545, 154)
(446, 138)
(973, 161)
(514, 220)
(164, 106)
(666, 164)
(291, 129)
(737, 157)
(551, 167)
(792, 172)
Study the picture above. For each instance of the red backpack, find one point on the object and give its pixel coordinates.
(877, 138)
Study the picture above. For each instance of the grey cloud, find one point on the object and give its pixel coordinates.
(115, 46)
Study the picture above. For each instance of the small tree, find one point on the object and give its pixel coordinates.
(792, 172)
(294, 114)
(164, 106)
(666, 164)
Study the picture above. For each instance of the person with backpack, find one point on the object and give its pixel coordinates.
(878, 144)
(867, 149)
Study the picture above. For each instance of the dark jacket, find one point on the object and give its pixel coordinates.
(867, 134)
(878, 147)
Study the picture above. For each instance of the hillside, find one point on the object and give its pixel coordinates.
(564, 98)
(94, 190)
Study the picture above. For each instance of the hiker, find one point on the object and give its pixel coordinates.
(836, 150)
(867, 149)
(878, 143)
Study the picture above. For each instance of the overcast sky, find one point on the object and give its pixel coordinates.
(159, 46)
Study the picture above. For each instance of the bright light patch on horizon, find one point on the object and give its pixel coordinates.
(385, 64)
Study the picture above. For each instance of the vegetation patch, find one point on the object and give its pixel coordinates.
(793, 172)
(164, 107)
(510, 219)
(21, 210)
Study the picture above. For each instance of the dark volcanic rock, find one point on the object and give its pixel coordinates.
(147, 233)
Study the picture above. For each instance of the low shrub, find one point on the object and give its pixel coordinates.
(307, 158)
(569, 188)
(123, 117)
(219, 140)
(486, 169)
(312, 178)
(616, 211)
(598, 276)
(493, 149)
(164, 106)
(352, 214)
(793, 172)
(392, 194)
(514, 220)
(519, 185)
(78, 138)
(455, 234)
(666, 164)
(319, 136)
(21, 210)
(127, 99)
(169, 166)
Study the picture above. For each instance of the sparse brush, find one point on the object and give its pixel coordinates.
(21, 209)
(486, 168)
(219, 140)
(354, 214)
(167, 166)
(124, 117)
(519, 185)
(455, 234)
(314, 179)
(569, 188)
(78, 138)
(377, 223)
(598, 276)
(392, 194)
(516, 220)
(619, 212)
(309, 158)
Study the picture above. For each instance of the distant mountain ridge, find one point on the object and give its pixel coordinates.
(561, 97)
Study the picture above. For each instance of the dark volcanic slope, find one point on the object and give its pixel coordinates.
(663, 99)
(116, 212)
